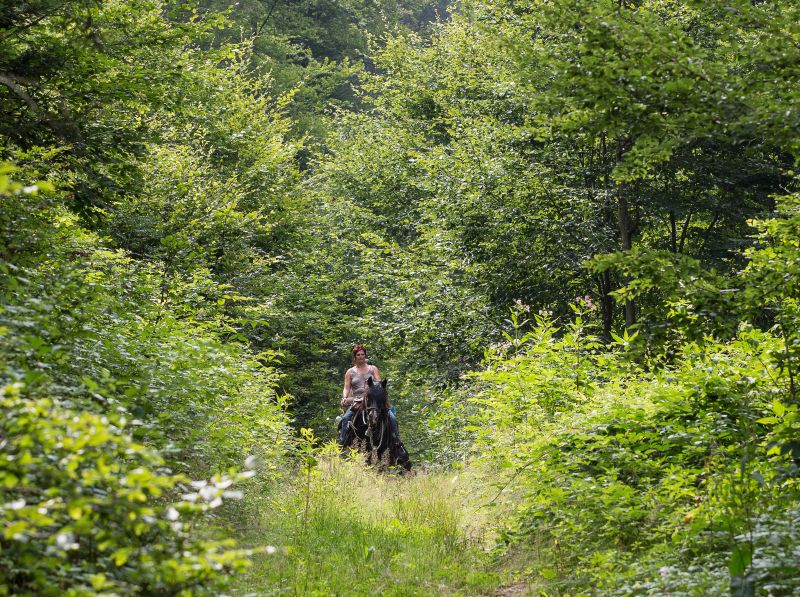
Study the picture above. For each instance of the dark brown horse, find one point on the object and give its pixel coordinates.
(371, 432)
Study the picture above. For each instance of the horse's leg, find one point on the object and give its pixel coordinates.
(368, 447)
(397, 451)
(356, 433)
(387, 441)
(378, 439)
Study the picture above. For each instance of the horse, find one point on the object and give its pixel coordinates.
(371, 432)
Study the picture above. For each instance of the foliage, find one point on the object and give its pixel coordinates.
(101, 331)
(86, 509)
(317, 48)
(517, 143)
(617, 471)
(81, 76)
(99, 338)
(232, 194)
(197, 189)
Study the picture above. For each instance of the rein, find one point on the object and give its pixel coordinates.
(372, 446)
(366, 421)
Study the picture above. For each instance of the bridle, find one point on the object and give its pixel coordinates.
(367, 419)
(382, 424)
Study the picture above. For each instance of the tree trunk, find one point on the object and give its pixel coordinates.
(707, 234)
(606, 304)
(625, 233)
(673, 231)
(685, 231)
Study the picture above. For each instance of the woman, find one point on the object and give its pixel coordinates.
(355, 390)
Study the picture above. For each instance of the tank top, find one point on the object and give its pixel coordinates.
(358, 382)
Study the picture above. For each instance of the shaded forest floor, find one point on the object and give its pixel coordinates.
(342, 529)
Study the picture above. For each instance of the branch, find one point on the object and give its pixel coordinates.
(66, 128)
(21, 93)
(13, 31)
(708, 232)
(266, 19)
(672, 231)
(504, 487)
(685, 231)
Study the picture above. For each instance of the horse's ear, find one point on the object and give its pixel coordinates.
(383, 383)
(369, 381)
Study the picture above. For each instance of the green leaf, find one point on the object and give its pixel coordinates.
(740, 560)
(121, 555)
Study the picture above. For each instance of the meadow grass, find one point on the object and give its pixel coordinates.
(343, 529)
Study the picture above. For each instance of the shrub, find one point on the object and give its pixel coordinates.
(87, 510)
(636, 479)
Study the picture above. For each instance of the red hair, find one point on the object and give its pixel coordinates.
(358, 347)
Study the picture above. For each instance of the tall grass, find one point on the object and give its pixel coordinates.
(349, 530)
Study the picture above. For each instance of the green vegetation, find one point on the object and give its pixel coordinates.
(350, 532)
(643, 482)
(567, 231)
(81, 510)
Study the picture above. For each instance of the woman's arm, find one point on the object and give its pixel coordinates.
(346, 389)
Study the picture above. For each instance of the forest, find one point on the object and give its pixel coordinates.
(567, 232)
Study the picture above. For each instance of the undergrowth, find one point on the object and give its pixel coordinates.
(678, 480)
(343, 529)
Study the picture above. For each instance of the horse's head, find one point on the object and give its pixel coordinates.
(377, 398)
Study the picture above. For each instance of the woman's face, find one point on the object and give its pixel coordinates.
(360, 357)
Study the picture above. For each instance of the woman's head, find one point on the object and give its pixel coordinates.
(359, 348)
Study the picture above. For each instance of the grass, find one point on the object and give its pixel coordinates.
(344, 529)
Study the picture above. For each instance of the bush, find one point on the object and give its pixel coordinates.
(631, 479)
(87, 510)
(127, 377)
(106, 333)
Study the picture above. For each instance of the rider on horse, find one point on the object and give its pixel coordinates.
(355, 391)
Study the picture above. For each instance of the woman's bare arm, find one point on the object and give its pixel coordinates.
(346, 389)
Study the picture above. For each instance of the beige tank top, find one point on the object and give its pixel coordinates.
(358, 382)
